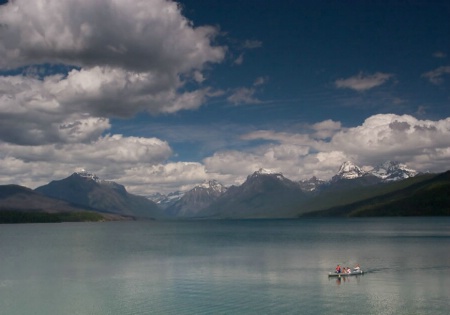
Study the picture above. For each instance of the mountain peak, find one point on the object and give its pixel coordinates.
(85, 174)
(213, 185)
(387, 171)
(349, 170)
(265, 172)
(393, 170)
(196, 199)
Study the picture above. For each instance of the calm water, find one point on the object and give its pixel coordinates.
(226, 267)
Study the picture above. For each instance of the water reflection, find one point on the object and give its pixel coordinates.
(347, 279)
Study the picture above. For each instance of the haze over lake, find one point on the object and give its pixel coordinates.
(226, 267)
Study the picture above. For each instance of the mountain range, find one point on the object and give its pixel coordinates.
(270, 194)
(387, 189)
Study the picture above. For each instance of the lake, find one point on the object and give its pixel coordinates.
(226, 267)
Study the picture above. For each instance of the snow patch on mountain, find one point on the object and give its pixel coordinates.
(91, 176)
(311, 185)
(387, 171)
(392, 171)
(213, 186)
(265, 172)
(349, 170)
(85, 174)
(165, 200)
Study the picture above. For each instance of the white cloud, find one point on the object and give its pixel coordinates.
(130, 57)
(142, 35)
(238, 164)
(243, 96)
(404, 138)
(326, 128)
(436, 76)
(31, 112)
(362, 82)
(104, 150)
(421, 144)
(82, 130)
(108, 156)
(124, 57)
(187, 100)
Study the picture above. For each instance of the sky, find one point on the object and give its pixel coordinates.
(161, 95)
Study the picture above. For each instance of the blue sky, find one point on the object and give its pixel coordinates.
(160, 96)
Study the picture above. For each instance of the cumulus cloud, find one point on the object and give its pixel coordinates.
(143, 35)
(362, 82)
(326, 128)
(422, 144)
(117, 58)
(106, 149)
(399, 137)
(436, 76)
(31, 113)
(107, 156)
(163, 177)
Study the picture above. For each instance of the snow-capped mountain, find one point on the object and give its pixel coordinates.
(164, 201)
(392, 171)
(387, 171)
(264, 194)
(196, 199)
(211, 187)
(349, 170)
(265, 172)
(265, 190)
(85, 174)
(311, 185)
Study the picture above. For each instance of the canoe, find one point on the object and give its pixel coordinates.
(353, 273)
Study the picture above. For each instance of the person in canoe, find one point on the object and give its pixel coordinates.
(357, 268)
(338, 269)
